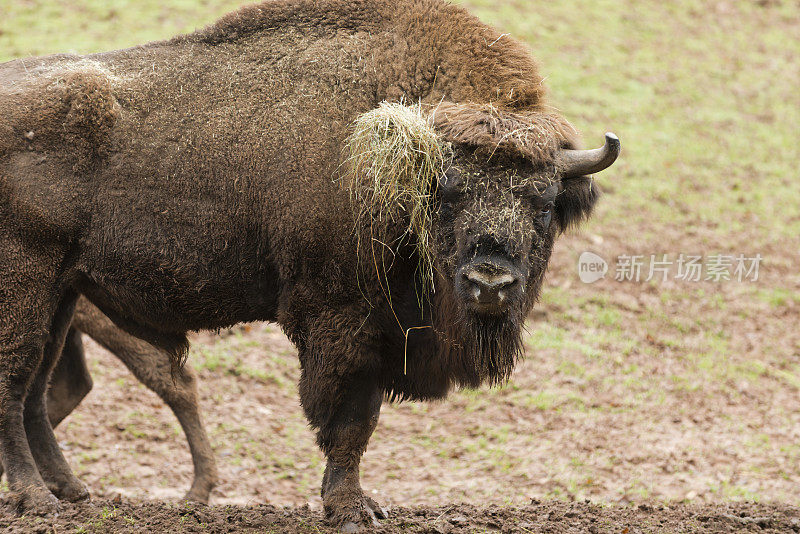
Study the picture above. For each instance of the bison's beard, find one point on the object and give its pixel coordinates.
(477, 348)
(493, 344)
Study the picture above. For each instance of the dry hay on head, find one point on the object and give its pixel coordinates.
(392, 159)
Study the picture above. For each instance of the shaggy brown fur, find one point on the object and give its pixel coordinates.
(189, 184)
(535, 136)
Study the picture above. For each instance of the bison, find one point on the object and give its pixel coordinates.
(384, 179)
(71, 382)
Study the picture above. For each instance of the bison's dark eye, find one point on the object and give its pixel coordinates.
(546, 214)
(451, 184)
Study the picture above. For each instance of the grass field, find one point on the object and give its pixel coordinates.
(644, 392)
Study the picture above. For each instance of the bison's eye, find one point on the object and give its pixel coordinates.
(546, 214)
(451, 184)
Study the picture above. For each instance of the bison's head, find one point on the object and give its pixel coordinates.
(483, 193)
(511, 185)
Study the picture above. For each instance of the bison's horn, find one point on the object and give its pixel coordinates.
(576, 163)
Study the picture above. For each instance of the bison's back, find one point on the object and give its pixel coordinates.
(195, 178)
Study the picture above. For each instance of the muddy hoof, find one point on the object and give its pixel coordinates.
(350, 528)
(37, 502)
(358, 518)
(74, 491)
(378, 512)
(198, 495)
(196, 498)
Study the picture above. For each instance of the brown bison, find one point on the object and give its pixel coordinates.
(71, 382)
(249, 171)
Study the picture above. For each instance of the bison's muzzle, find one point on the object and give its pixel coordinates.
(488, 285)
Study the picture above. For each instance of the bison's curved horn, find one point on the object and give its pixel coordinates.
(576, 163)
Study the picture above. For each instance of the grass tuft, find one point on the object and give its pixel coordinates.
(392, 159)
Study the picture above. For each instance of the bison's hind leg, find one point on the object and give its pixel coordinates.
(34, 315)
(44, 447)
(153, 368)
(70, 381)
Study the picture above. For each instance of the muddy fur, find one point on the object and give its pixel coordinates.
(191, 184)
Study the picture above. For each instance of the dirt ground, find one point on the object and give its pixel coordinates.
(641, 406)
(551, 517)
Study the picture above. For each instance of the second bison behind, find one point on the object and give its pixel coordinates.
(203, 181)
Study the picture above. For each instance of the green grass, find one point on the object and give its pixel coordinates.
(708, 120)
(36, 27)
(778, 297)
(224, 357)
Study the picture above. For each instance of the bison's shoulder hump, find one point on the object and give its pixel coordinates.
(277, 15)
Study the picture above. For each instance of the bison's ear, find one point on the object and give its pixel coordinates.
(579, 191)
(576, 201)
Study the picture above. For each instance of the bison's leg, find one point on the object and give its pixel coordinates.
(19, 360)
(71, 381)
(345, 410)
(152, 367)
(31, 290)
(51, 463)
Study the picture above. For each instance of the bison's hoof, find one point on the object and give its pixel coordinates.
(360, 517)
(351, 528)
(198, 496)
(377, 511)
(72, 491)
(38, 501)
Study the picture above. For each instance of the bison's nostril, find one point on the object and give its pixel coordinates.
(491, 281)
(488, 288)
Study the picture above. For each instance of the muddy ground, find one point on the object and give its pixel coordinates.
(551, 517)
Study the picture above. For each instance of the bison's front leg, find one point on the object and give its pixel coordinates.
(344, 440)
(36, 307)
(344, 407)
